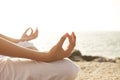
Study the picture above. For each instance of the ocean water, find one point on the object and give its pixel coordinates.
(105, 43)
(102, 43)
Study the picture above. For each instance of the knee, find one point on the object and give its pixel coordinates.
(70, 70)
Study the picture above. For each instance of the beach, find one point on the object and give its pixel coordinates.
(96, 67)
(98, 70)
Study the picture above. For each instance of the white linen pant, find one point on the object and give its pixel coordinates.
(25, 69)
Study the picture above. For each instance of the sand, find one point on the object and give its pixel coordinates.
(98, 71)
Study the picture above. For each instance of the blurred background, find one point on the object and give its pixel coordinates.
(95, 22)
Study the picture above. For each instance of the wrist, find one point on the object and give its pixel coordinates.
(23, 39)
(41, 56)
(47, 57)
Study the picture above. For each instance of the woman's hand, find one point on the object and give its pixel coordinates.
(57, 52)
(32, 35)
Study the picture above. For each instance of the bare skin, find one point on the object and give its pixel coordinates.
(24, 37)
(8, 47)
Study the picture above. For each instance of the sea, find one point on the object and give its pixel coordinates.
(94, 43)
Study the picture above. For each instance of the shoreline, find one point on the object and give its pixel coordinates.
(77, 56)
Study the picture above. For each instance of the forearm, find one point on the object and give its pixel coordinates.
(9, 38)
(10, 49)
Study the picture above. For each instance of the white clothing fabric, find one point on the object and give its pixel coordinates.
(26, 69)
(25, 44)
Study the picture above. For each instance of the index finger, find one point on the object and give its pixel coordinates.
(29, 29)
(62, 39)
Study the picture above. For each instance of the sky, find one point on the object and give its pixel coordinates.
(59, 15)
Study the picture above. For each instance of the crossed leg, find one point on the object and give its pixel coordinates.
(25, 69)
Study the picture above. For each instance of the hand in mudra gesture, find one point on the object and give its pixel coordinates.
(31, 36)
(57, 52)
